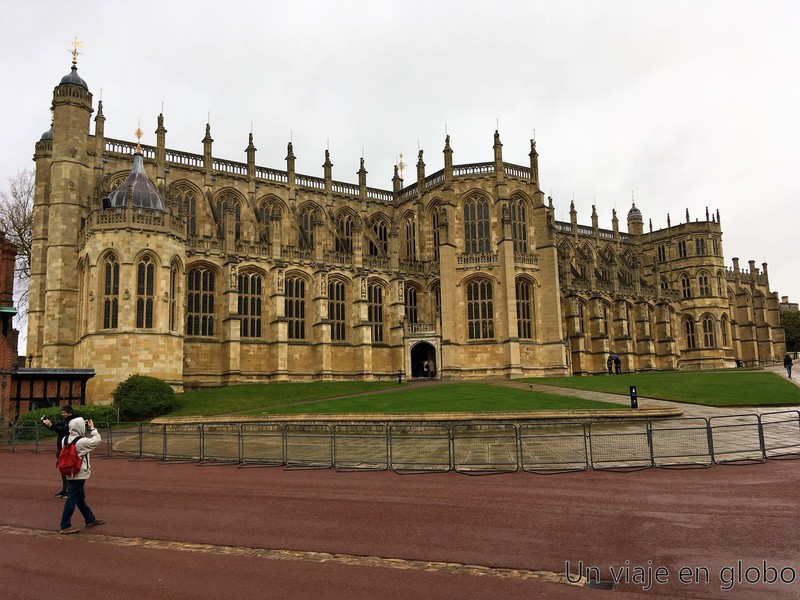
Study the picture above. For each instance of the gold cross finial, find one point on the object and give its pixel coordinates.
(401, 165)
(139, 138)
(75, 45)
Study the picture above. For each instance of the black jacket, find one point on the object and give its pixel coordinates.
(62, 429)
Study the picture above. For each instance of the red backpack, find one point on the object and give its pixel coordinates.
(69, 463)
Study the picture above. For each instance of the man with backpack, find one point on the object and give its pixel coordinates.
(61, 429)
(76, 482)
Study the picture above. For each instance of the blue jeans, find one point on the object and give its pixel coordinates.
(76, 497)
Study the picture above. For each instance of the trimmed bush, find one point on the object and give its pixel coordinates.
(29, 425)
(140, 398)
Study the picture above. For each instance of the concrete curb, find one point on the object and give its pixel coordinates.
(471, 417)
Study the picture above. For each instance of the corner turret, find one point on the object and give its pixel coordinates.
(635, 221)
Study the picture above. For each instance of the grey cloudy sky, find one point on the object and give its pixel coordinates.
(687, 104)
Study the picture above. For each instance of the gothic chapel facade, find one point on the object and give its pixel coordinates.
(206, 272)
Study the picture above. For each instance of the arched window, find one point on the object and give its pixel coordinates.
(83, 283)
(480, 310)
(306, 233)
(375, 310)
(580, 309)
(275, 218)
(262, 214)
(704, 285)
(686, 286)
(110, 292)
(380, 245)
(344, 233)
(230, 201)
(700, 246)
(720, 290)
(237, 212)
(708, 331)
(723, 328)
(664, 284)
(295, 307)
(524, 310)
(519, 226)
(627, 312)
(220, 218)
(437, 299)
(190, 206)
(476, 225)
(435, 226)
(188, 201)
(145, 292)
(337, 306)
(200, 302)
(249, 304)
(173, 296)
(411, 305)
(411, 238)
(688, 328)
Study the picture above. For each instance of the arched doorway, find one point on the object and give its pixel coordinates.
(423, 353)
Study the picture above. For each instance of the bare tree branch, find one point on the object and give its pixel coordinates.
(16, 219)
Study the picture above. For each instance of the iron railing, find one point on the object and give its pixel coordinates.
(477, 447)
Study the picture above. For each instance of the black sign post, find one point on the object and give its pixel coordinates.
(634, 401)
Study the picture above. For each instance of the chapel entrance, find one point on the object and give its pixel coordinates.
(422, 353)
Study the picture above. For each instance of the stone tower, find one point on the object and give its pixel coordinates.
(107, 264)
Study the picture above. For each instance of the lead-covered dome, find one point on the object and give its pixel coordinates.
(73, 78)
(142, 192)
(634, 212)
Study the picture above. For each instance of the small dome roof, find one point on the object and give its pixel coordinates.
(47, 135)
(72, 78)
(634, 212)
(142, 191)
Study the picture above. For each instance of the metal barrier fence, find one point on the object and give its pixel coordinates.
(473, 448)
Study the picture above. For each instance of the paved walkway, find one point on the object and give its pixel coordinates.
(200, 533)
(689, 410)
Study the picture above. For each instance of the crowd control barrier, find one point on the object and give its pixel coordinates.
(471, 448)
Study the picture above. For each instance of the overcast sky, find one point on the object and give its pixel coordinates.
(686, 104)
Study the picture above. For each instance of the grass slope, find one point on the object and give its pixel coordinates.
(718, 388)
(454, 397)
(244, 398)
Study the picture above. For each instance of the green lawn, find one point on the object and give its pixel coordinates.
(716, 388)
(258, 396)
(326, 398)
(452, 397)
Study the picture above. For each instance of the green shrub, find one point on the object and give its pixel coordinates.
(29, 425)
(140, 398)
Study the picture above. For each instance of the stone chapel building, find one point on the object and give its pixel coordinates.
(206, 272)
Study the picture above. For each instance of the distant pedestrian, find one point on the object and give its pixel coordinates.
(431, 369)
(610, 364)
(425, 368)
(61, 429)
(617, 365)
(787, 364)
(76, 492)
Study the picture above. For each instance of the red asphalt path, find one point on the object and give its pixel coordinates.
(708, 518)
